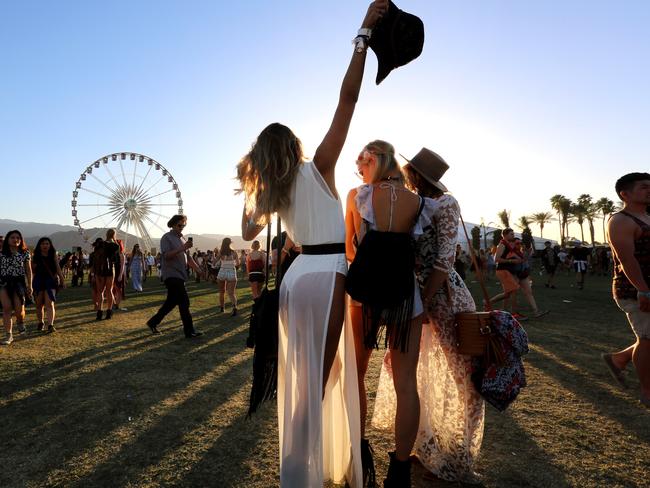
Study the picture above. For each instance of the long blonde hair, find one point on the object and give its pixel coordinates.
(386, 163)
(267, 172)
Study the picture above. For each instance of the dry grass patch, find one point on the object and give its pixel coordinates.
(108, 404)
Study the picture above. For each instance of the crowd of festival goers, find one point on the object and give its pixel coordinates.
(389, 270)
(108, 268)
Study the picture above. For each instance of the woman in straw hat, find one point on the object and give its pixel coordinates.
(381, 216)
(316, 363)
(451, 410)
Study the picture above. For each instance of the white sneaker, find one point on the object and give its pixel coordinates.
(8, 340)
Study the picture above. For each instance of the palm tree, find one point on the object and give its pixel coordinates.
(592, 214)
(504, 217)
(606, 207)
(556, 203)
(578, 212)
(523, 222)
(541, 218)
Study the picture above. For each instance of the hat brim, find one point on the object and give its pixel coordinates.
(435, 183)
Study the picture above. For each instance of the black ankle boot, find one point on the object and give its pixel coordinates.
(109, 314)
(99, 315)
(399, 473)
(367, 464)
(234, 312)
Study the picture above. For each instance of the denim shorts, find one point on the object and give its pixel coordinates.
(639, 321)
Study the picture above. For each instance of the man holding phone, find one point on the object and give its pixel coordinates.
(174, 262)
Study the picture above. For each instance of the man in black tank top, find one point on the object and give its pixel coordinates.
(628, 232)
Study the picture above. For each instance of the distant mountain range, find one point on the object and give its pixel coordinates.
(67, 237)
(33, 228)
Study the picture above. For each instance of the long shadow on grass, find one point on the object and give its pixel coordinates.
(135, 339)
(511, 457)
(226, 459)
(170, 434)
(617, 408)
(98, 402)
(68, 300)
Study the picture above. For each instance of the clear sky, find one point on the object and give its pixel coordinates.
(523, 99)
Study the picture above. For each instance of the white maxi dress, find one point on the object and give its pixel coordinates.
(319, 435)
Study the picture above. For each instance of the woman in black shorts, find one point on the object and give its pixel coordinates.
(48, 278)
(256, 264)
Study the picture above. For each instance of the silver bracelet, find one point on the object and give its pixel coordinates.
(360, 44)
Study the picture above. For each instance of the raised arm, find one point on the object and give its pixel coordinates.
(351, 226)
(249, 226)
(330, 148)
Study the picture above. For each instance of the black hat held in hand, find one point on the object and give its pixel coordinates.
(397, 39)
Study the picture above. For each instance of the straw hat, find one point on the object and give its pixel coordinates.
(397, 39)
(430, 166)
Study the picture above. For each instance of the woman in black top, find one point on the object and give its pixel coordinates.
(48, 278)
(15, 282)
(104, 261)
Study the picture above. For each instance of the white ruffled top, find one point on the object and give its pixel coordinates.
(427, 216)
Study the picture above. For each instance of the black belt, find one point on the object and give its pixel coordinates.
(336, 248)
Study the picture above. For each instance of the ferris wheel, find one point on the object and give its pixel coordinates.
(130, 192)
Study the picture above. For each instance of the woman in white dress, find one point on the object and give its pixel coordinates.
(137, 267)
(318, 401)
(451, 410)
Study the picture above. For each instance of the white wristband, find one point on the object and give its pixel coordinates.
(365, 32)
(360, 44)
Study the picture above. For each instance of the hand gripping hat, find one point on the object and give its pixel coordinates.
(397, 39)
(430, 166)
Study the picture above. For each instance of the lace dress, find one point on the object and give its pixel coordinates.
(320, 434)
(451, 410)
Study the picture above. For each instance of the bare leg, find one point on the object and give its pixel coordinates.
(222, 292)
(49, 310)
(19, 310)
(40, 302)
(641, 360)
(100, 286)
(110, 299)
(407, 417)
(334, 326)
(514, 306)
(363, 358)
(6, 310)
(622, 358)
(230, 287)
(528, 293)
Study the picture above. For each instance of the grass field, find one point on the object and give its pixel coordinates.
(106, 404)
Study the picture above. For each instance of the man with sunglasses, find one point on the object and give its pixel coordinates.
(174, 262)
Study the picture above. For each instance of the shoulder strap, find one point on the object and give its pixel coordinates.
(278, 267)
(417, 216)
(268, 255)
(638, 221)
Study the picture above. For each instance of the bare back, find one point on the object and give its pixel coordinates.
(405, 207)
